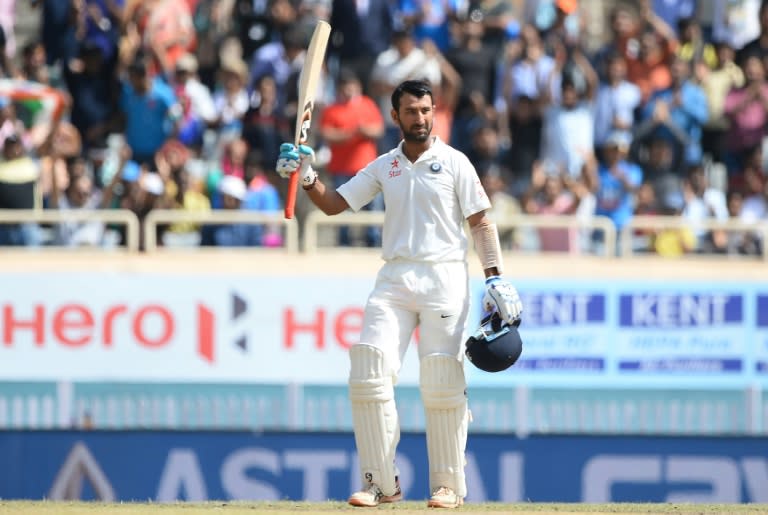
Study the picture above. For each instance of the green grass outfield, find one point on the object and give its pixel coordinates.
(404, 508)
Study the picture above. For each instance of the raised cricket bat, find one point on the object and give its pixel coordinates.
(308, 79)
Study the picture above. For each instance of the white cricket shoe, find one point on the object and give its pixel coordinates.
(444, 497)
(373, 496)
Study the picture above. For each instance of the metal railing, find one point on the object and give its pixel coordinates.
(601, 224)
(658, 223)
(171, 216)
(522, 410)
(317, 219)
(122, 217)
(621, 244)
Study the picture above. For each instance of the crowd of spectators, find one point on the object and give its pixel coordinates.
(182, 104)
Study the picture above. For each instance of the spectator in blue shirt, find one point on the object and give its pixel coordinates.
(261, 194)
(150, 112)
(618, 180)
(677, 113)
(100, 22)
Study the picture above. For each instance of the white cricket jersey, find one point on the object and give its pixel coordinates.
(426, 202)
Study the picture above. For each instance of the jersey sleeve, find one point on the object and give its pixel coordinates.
(469, 190)
(361, 188)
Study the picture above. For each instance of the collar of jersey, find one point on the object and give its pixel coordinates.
(429, 154)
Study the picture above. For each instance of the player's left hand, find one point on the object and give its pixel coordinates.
(502, 297)
(292, 159)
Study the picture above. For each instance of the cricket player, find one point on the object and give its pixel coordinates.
(429, 190)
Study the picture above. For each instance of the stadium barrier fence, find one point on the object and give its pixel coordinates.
(158, 217)
(660, 223)
(610, 242)
(521, 410)
(122, 217)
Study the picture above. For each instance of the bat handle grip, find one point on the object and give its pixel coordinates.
(290, 200)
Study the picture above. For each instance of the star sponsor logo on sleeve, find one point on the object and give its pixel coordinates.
(480, 190)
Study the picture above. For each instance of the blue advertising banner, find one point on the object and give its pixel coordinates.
(761, 341)
(169, 466)
(568, 338)
(670, 332)
(632, 333)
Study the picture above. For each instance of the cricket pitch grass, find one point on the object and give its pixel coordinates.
(404, 508)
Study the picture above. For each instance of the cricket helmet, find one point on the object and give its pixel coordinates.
(495, 346)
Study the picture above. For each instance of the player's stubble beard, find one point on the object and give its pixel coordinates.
(413, 135)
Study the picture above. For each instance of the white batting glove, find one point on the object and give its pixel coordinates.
(502, 297)
(293, 159)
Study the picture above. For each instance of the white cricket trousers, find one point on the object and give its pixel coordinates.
(410, 294)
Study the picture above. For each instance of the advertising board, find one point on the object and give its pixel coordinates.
(197, 466)
(279, 329)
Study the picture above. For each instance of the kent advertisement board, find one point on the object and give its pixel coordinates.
(631, 334)
(278, 329)
(197, 466)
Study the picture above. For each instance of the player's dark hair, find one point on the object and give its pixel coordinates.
(417, 88)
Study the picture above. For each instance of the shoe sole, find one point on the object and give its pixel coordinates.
(361, 504)
(439, 504)
(384, 500)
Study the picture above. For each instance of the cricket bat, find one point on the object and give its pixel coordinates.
(308, 82)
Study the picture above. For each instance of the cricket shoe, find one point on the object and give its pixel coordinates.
(444, 497)
(373, 496)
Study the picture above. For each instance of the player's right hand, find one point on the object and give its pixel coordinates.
(294, 159)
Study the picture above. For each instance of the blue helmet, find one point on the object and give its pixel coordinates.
(495, 346)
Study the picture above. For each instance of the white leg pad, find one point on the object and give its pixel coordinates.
(374, 416)
(443, 392)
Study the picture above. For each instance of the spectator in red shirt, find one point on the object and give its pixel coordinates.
(650, 69)
(351, 127)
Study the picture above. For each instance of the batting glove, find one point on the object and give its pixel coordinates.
(501, 297)
(293, 159)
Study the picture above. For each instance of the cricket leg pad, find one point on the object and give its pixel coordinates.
(374, 417)
(443, 392)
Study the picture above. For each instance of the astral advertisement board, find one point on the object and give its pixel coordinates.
(197, 466)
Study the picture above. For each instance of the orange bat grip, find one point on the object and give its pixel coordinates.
(290, 200)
